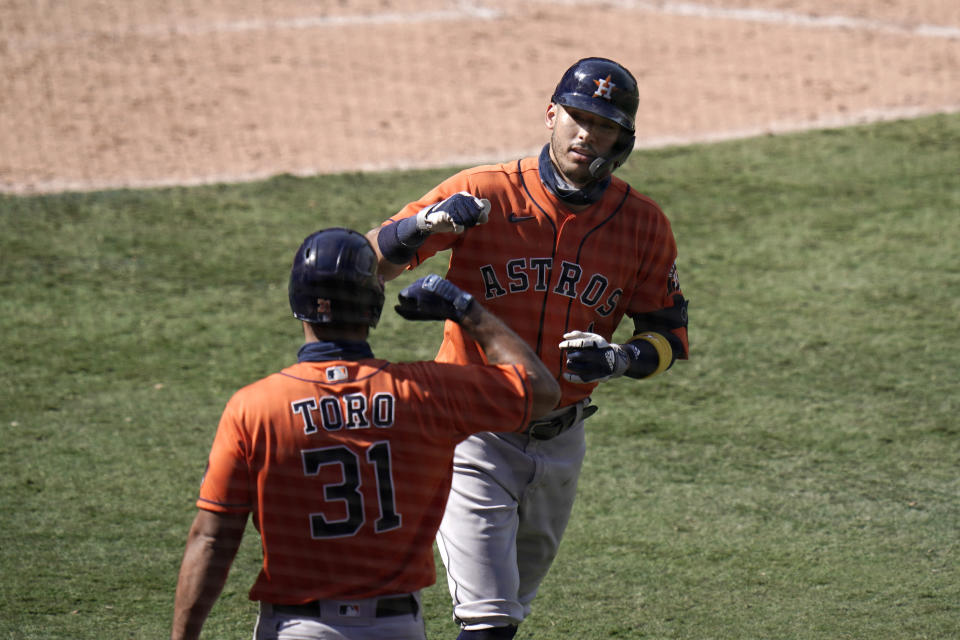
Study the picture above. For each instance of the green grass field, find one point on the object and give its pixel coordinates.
(796, 479)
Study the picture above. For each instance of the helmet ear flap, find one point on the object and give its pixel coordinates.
(605, 165)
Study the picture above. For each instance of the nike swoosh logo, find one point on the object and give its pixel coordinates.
(515, 218)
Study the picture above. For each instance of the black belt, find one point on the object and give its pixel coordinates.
(386, 607)
(552, 427)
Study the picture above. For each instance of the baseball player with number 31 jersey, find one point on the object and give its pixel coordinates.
(562, 251)
(343, 461)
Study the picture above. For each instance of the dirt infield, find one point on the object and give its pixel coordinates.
(100, 95)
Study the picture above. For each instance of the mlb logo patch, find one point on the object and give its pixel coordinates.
(349, 611)
(336, 374)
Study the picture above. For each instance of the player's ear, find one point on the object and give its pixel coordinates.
(550, 117)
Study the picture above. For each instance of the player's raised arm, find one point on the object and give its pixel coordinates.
(397, 242)
(433, 298)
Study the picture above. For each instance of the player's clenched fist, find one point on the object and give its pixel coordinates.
(590, 358)
(458, 212)
(398, 241)
(433, 298)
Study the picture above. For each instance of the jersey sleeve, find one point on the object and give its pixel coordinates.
(470, 398)
(657, 303)
(227, 484)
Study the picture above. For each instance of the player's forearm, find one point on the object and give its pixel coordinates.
(502, 345)
(591, 359)
(201, 579)
(389, 270)
(203, 572)
(650, 354)
(397, 242)
(433, 298)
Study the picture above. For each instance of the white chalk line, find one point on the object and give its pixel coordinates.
(467, 10)
(462, 12)
(317, 22)
(868, 116)
(769, 16)
(470, 10)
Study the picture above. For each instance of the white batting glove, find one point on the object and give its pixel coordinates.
(590, 358)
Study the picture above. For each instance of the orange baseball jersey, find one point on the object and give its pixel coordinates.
(346, 466)
(546, 271)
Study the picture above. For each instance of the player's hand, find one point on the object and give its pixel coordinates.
(433, 298)
(458, 212)
(590, 358)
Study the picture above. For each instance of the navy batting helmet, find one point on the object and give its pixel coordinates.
(334, 279)
(600, 86)
(605, 88)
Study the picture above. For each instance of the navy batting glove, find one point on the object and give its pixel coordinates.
(433, 298)
(590, 358)
(460, 211)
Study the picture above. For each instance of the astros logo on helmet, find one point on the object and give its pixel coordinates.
(605, 88)
(600, 86)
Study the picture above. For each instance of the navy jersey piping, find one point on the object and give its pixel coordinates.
(227, 505)
(553, 257)
(583, 241)
(378, 370)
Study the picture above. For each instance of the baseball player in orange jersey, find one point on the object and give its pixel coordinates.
(344, 460)
(560, 250)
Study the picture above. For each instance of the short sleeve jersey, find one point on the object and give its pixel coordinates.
(545, 270)
(346, 466)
